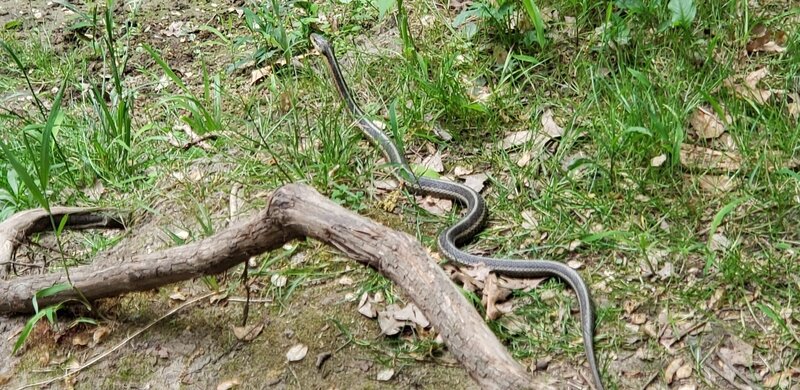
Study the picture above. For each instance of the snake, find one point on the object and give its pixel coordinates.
(473, 220)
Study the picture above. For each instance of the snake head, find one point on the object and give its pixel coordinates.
(320, 43)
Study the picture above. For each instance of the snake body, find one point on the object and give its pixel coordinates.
(472, 222)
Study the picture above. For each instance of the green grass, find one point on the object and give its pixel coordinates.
(618, 76)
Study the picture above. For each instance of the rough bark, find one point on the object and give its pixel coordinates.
(20, 226)
(295, 211)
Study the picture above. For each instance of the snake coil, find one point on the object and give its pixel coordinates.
(472, 222)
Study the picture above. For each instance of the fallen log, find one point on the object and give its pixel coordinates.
(294, 211)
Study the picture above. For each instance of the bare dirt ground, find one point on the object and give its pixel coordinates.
(196, 348)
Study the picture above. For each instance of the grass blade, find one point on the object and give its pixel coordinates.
(536, 18)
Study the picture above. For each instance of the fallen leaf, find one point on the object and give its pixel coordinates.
(296, 353)
(412, 313)
(672, 368)
(707, 124)
(475, 181)
(81, 339)
(434, 162)
(684, 372)
(659, 160)
(258, 74)
(461, 171)
(100, 333)
(278, 280)
(794, 106)
(715, 298)
(518, 138)
(228, 384)
(574, 264)
(388, 323)
(385, 185)
(666, 271)
(719, 243)
(436, 206)
(365, 307)
(529, 220)
(248, 332)
(698, 157)
(550, 126)
(763, 40)
(749, 89)
(716, 184)
(638, 318)
(177, 296)
(95, 191)
(492, 294)
(479, 272)
(524, 159)
(738, 353)
(345, 281)
(385, 375)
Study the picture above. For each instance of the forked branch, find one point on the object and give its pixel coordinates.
(297, 211)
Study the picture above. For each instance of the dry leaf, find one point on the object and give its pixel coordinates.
(550, 126)
(475, 181)
(716, 184)
(228, 384)
(739, 353)
(177, 296)
(436, 206)
(524, 159)
(385, 185)
(707, 124)
(666, 271)
(81, 339)
(460, 171)
(385, 375)
(684, 372)
(749, 89)
(529, 220)
(258, 74)
(794, 106)
(434, 162)
(700, 158)
(719, 243)
(100, 333)
(574, 264)
(412, 313)
(278, 280)
(638, 318)
(524, 284)
(345, 281)
(297, 353)
(388, 323)
(671, 369)
(518, 138)
(365, 307)
(492, 294)
(479, 272)
(248, 332)
(659, 160)
(764, 40)
(95, 191)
